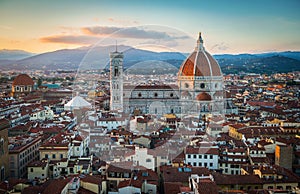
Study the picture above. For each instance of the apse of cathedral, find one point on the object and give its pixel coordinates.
(199, 88)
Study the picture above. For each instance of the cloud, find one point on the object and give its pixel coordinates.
(70, 39)
(220, 47)
(100, 30)
(130, 32)
(161, 43)
(91, 35)
(123, 22)
(5, 27)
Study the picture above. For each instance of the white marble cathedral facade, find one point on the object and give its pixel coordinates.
(199, 88)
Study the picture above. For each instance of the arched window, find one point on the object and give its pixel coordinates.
(116, 71)
(202, 85)
(1, 146)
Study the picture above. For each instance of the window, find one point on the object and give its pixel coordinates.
(202, 85)
(1, 146)
(210, 156)
(186, 85)
(116, 71)
(155, 94)
(31, 169)
(148, 160)
(53, 156)
(171, 95)
(205, 164)
(71, 170)
(200, 164)
(195, 156)
(195, 164)
(210, 164)
(205, 156)
(189, 156)
(46, 156)
(200, 156)
(61, 156)
(139, 95)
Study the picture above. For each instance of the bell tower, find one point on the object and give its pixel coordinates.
(116, 80)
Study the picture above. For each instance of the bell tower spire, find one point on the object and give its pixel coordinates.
(116, 80)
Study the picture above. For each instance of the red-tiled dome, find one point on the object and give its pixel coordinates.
(23, 80)
(203, 97)
(200, 63)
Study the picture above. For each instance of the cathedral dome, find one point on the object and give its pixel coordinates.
(203, 97)
(23, 80)
(200, 63)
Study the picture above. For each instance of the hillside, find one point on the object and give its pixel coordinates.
(6, 54)
(146, 61)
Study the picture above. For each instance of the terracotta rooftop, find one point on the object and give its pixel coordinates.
(132, 183)
(181, 174)
(39, 163)
(56, 186)
(206, 186)
(222, 179)
(92, 179)
(23, 79)
(172, 187)
(202, 150)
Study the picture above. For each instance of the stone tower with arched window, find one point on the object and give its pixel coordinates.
(116, 81)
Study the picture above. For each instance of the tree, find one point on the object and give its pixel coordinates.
(39, 82)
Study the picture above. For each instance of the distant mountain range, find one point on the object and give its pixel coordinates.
(6, 54)
(143, 61)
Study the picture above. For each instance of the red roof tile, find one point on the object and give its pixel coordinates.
(23, 79)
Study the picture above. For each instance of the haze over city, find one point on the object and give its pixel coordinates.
(229, 26)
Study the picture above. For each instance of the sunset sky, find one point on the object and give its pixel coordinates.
(228, 26)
